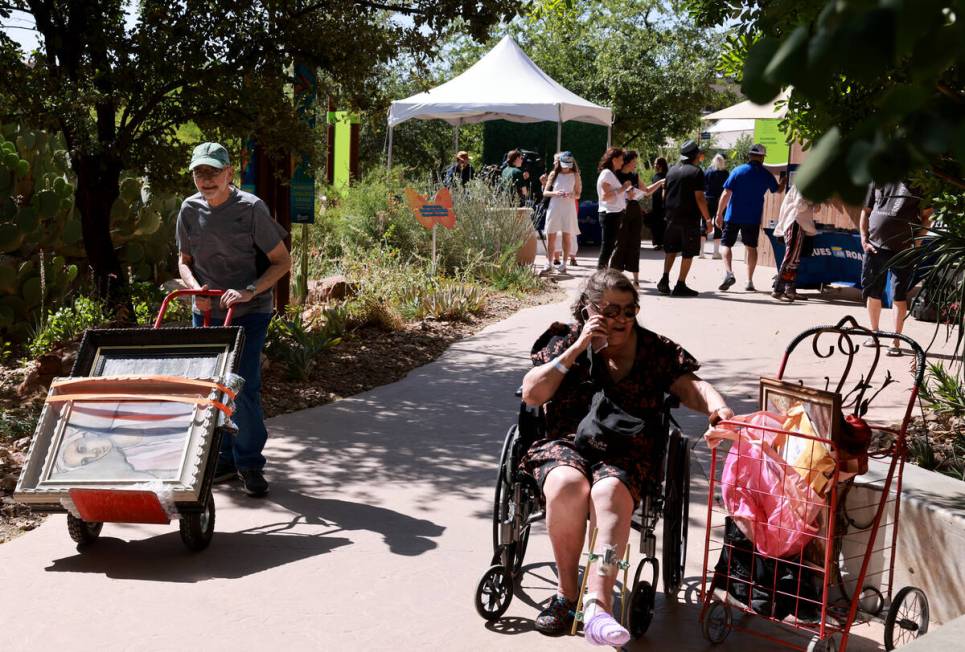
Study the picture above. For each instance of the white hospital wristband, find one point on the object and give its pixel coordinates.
(560, 367)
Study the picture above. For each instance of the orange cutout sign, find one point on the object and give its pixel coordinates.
(430, 213)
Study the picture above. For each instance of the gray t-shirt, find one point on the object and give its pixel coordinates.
(222, 244)
(895, 216)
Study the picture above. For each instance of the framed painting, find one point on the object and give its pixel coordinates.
(806, 414)
(96, 431)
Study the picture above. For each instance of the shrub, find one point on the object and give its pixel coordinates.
(944, 392)
(295, 343)
(506, 274)
(66, 324)
(450, 301)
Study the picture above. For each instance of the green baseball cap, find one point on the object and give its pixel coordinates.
(211, 154)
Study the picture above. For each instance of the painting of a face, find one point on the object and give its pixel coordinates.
(122, 441)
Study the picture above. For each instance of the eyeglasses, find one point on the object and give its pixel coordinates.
(208, 173)
(613, 310)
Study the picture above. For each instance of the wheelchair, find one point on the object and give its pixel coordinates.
(517, 505)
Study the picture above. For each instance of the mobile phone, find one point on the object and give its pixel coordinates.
(599, 343)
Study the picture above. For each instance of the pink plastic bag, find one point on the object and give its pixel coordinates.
(774, 508)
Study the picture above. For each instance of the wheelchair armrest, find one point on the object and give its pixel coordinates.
(519, 392)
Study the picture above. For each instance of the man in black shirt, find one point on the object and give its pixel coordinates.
(685, 205)
(890, 219)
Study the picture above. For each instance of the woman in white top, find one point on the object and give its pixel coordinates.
(613, 202)
(564, 188)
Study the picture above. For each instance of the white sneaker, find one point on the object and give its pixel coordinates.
(717, 256)
(547, 268)
(561, 269)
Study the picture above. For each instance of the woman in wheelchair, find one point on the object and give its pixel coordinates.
(596, 454)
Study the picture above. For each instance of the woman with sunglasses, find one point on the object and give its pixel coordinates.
(636, 367)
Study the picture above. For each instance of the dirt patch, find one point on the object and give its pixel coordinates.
(365, 359)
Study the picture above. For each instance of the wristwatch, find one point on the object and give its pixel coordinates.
(251, 287)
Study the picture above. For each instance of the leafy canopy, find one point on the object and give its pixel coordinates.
(877, 84)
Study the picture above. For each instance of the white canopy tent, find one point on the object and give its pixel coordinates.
(504, 85)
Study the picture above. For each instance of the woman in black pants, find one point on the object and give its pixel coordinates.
(626, 257)
(656, 218)
(613, 202)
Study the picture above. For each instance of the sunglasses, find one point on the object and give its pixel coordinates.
(612, 310)
(211, 173)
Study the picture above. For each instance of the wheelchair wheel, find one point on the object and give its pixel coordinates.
(640, 614)
(676, 513)
(494, 593)
(505, 510)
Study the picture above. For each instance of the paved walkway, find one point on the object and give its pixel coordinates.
(378, 524)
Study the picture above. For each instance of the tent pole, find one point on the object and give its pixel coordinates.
(455, 138)
(609, 134)
(388, 165)
(559, 128)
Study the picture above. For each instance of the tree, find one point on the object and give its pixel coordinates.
(653, 66)
(877, 86)
(118, 95)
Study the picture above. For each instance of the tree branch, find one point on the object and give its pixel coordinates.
(948, 178)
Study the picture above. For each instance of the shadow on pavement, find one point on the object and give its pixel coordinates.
(405, 535)
(164, 558)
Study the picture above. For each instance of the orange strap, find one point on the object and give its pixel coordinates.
(210, 384)
(101, 398)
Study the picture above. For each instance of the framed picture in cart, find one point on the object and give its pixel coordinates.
(785, 399)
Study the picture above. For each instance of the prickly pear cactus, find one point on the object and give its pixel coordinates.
(41, 242)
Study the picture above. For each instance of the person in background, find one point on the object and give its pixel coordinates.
(613, 202)
(626, 257)
(219, 232)
(714, 179)
(740, 210)
(684, 192)
(514, 179)
(795, 223)
(460, 171)
(657, 217)
(893, 215)
(563, 186)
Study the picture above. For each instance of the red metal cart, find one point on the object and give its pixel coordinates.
(801, 567)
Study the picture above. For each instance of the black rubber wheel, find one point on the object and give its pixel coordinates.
(907, 617)
(503, 507)
(717, 622)
(676, 513)
(494, 593)
(81, 531)
(197, 529)
(641, 609)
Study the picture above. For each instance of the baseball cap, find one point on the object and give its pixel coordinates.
(211, 154)
(757, 150)
(566, 160)
(689, 150)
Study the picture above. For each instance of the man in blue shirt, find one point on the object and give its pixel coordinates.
(740, 209)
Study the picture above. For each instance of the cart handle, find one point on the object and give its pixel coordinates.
(193, 293)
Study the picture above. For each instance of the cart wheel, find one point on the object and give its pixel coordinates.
(81, 531)
(641, 609)
(907, 617)
(717, 622)
(197, 529)
(494, 593)
(823, 644)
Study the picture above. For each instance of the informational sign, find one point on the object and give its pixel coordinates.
(342, 160)
(428, 212)
(768, 133)
(303, 178)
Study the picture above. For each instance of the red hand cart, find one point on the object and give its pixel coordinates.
(842, 570)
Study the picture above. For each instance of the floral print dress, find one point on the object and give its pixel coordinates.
(659, 362)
